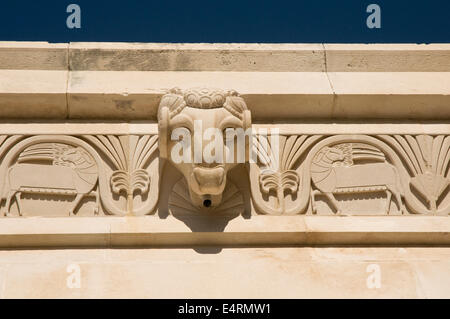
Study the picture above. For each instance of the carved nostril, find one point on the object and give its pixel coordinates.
(208, 165)
(207, 203)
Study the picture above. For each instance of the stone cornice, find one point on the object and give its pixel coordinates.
(121, 81)
(255, 57)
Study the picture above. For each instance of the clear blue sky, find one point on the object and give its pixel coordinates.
(425, 21)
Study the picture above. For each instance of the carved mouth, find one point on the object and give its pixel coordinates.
(209, 180)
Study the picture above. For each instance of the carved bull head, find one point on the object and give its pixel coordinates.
(194, 111)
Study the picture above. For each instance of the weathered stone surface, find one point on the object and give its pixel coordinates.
(387, 57)
(196, 57)
(91, 56)
(34, 56)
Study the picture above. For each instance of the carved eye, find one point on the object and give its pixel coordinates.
(181, 133)
(229, 133)
(182, 129)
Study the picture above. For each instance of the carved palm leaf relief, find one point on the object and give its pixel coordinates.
(133, 170)
(427, 160)
(276, 173)
(286, 181)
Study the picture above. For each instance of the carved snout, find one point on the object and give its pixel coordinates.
(210, 180)
(207, 186)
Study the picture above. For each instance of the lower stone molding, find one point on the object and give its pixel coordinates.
(258, 231)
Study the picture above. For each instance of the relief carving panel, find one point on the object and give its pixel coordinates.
(410, 173)
(279, 173)
(116, 171)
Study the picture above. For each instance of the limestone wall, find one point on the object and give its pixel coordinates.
(231, 273)
(347, 194)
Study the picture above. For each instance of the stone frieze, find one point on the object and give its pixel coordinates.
(279, 173)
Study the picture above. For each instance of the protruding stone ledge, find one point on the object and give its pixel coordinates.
(136, 95)
(261, 231)
(37, 94)
(269, 95)
(121, 81)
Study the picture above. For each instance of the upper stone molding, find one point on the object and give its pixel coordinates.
(121, 81)
(285, 57)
